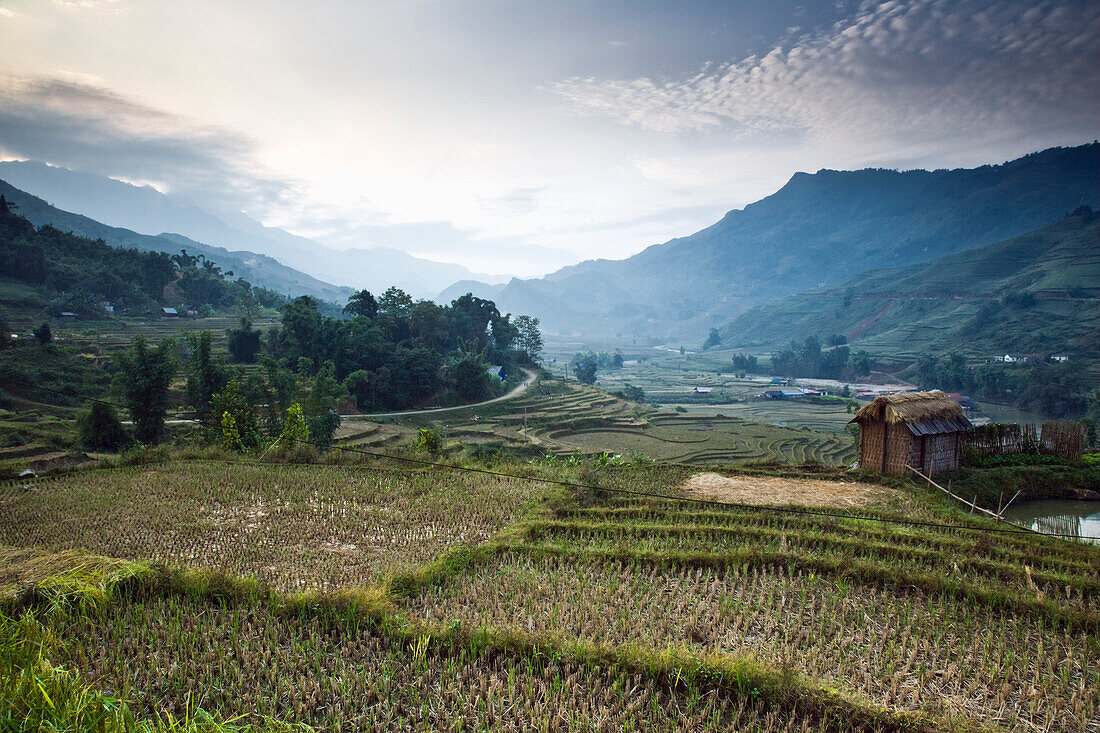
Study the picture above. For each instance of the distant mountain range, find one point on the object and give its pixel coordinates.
(146, 210)
(1039, 292)
(816, 230)
(256, 269)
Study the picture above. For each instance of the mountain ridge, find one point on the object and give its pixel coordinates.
(143, 209)
(256, 268)
(817, 229)
(1038, 292)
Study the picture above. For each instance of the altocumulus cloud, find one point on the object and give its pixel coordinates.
(898, 73)
(73, 122)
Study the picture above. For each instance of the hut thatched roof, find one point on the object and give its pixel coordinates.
(924, 413)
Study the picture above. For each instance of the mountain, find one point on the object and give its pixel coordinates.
(256, 269)
(1036, 293)
(817, 229)
(144, 209)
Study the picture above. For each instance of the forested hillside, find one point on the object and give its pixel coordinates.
(77, 273)
(1033, 293)
(818, 229)
(255, 268)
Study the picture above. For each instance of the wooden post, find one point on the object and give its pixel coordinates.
(972, 505)
(885, 443)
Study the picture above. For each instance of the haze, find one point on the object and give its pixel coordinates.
(519, 137)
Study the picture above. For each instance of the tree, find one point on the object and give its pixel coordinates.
(471, 378)
(362, 304)
(395, 301)
(584, 367)
(5, 325)
(529, 339)
(206, 374)
(244, 342)
(98, 428)
(238, 427)
(143, 377)
(322, 401)
(714, 338)
(43, 334)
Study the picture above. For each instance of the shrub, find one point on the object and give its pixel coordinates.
(430, 440)
(98, 428)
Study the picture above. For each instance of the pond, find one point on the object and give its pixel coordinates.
(1056, 516)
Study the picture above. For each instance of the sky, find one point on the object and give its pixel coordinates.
(518, 137)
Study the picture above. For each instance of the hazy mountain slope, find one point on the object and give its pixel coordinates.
(144, 209)
(817, 229)
(1039, 292)
(257, 269)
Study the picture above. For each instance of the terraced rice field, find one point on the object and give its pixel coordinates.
(294, 527)
(477, 603)
(567, 417)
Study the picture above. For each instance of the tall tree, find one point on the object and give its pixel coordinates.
(362, 304)
(143, 377)
(206, 373)
(584, 367)
(529, 340)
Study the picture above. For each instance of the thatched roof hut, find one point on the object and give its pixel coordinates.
(918, 429)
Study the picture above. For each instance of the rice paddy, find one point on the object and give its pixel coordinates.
(292, 527)
(485, 603)
(567, 417)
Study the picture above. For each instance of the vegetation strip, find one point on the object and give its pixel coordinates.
(1089, 585)
(859, 570)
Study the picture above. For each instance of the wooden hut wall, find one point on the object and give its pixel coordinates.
(940, 453)
(899, 444)
(871, 445)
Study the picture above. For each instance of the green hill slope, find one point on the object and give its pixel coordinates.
(256, 268)
(1039, 292)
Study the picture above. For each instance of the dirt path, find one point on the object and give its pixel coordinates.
(776, 491)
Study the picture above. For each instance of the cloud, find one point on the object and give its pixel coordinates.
(72, 121)
(514, 203)
(893, 73)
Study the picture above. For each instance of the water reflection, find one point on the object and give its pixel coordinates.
(1074, 518)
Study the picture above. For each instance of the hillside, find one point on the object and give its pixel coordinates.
(257, 269)
(144, 209)
(1039, 292)
(815, 231)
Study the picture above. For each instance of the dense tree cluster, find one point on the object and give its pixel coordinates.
(808, 359)
(392, 352)
(1057, 390)
(82, 272)
(744, 363)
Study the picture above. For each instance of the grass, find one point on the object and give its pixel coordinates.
(498, 604)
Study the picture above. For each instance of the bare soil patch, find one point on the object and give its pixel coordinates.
(775, 490)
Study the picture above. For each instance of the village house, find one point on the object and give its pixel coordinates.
(921, 430)
(701, 390)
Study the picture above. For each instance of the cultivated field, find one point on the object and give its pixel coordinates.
(293, 527)
(469, 602)
(568, 417)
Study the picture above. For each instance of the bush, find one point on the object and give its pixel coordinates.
(430, 440)
(98, 428)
